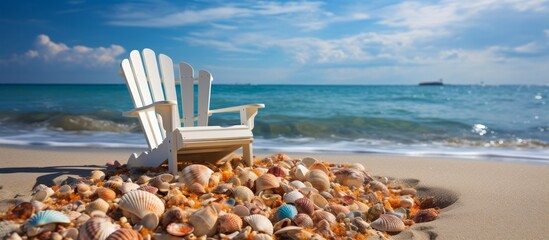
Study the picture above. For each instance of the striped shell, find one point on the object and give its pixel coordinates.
(241, 210)
(195, 173)
(338, 208)
(350, 178)
(319, 166)
(179, 229)
(149, 188)
(259, 223)
(97, 228)
(106, 194)
(286, 211)
(266, 181)
(319, 180)
(229, 223)
(320, 215)
(388, 223)
(97, 205)
(143, 179)
(204, 221)
(318, 200)
(297, 184)
(125, 234)
(304, 205)
(277, 171)
(292, 196)
(243, 193)
(140, 203)
(303, 220)
(47, 217)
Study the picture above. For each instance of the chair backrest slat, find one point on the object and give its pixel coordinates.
(140, 78)
(187, 93)
(204, 91)
(149, 60)
(166, 69)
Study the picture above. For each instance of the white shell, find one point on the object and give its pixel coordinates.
(308, 161)
(204, 221)
(260, 223)
(140, 203)
(127, 187)
(297, 184)
(97, 228)
(97, 205)
(241, 210)
(292, 196)
(301, 172)
(195, 173)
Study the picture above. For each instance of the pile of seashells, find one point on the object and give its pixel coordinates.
(277, 198)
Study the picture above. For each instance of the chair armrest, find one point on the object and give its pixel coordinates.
(135, 112)
(236, 108)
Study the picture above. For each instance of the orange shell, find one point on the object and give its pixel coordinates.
(229, 223)
(106, 194)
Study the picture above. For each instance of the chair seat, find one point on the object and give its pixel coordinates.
(197, 137)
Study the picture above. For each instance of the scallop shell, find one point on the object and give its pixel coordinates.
(204, 221)
(290, 197)
(195, 173)
(309, 161)
(125, 234)
(7, 227)
(303, 220)
(172, 215)
(266, 181)
(301, 172)
(242, 193)
(260, 223)
(229, 223)
(323, 215)
(82, 187)
(241, 210)
(47, 217)
(97, 228)
(127, 187)
(140, 203)
(106, 194)
(97, 205)
(97, 175)
(318, 200)
(304, 205)
(350, 177)
(179, 229)
(277, 171)
(338, 208)
(388, 223)
(319, 166)
(286, 211)
(319, 180)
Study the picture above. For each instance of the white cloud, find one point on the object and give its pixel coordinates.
(48, 51)
(531, 47)
(329, 18)
(546, 31)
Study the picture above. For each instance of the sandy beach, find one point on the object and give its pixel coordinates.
(487, 199)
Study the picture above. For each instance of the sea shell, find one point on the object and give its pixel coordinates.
(375, 211)
(304, 205)
(114, 184)
(23, 211)
(408, 191)
(301, 172)
(141, 203)
(358, 206)
(204, 221)
(290, 197)
(214, 179)
(97, 205)
(150, 221)
(241, 210)
(362, 226)
(97, 228)
(195, 173)
(319, 166)
(127, 187)
(303, 220)
(143, 179)
(64, 190)
(338, 208)
(286, 211)
(97, 175)
(288, 230)
(8, 227)
(406, 202)
(260, 223)
(388, 223)
(35, 230)
(426, 215)
(281, 224)
(379, 186)
(71, 233)
(172, 215)
(357, 166)
(125, 234)
(323, 215)
(318, 200)
(277, 171)
(179, 229)
(196, 188)
(269, 199)
(245, 175)
(297, 184)
(46, 217)
(106, 194)
(149, 188)
(82, 187)
(266, 181)
(242, 193)
(309, 161)
(319, 180)
(43, 194)
(229, 223)
(350, 178)
(323, 228)
(165, 177)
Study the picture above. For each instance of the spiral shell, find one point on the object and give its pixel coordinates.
(320, 215)
(388, 223)
(229, 223)
(179, 229)
(195, 173)
(242, 193)
(304, 205)
(46, 217)
(260, 223)
(266, 181)
(290, 197)
(319, 180)
(97, 228)
(97, 205)
(106, 194)
(140, 203)
(125, 234)
(286, 211)
(303, 220)
(204, 221)
(350, 177)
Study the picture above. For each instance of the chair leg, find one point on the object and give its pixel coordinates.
(172, 159)
(247, 154)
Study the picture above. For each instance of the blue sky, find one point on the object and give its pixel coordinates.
(260, 42)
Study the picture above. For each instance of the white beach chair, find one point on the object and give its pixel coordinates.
(159, 115)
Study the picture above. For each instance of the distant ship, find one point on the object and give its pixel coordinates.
(439, 83)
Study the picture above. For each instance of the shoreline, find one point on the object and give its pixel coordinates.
(493, 199)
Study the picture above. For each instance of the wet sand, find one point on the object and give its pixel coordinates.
(481, 199)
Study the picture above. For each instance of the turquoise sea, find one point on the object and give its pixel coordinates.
(503, 122)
